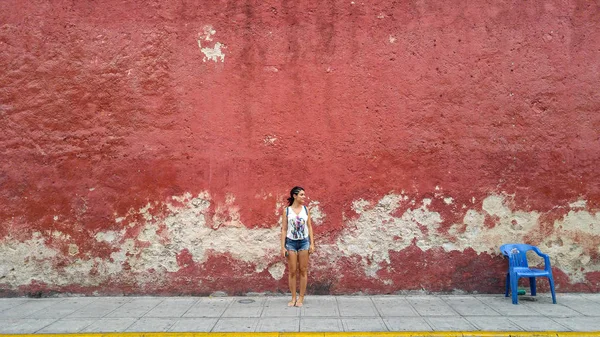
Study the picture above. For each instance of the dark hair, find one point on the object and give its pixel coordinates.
(293, 192)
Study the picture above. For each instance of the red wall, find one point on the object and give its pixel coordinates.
(110, 109)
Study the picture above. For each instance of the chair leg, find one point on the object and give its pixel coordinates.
(532, 285)
(551, 280)
(507, 285)
(514, 281)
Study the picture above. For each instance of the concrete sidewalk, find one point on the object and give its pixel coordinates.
(430, 315)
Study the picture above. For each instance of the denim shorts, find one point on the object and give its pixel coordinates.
(297, 245)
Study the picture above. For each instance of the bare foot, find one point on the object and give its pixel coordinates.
(299, 302)
(292, 303)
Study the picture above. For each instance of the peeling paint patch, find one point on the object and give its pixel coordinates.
(277, 270)
(578, 204)
(269, 140)
(204, 40)
(148, 246)
(73, 249)
(377, 231)
(109, 236)
(316, 213)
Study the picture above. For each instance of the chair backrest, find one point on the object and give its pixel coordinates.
(516, 253)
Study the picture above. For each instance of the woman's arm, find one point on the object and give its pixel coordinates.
(310, 235)
(283, 232)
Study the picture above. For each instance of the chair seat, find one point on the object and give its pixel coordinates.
(530, 272)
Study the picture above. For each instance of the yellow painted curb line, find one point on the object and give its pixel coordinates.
(324, 334)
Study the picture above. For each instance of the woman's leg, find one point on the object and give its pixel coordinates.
(292, 267)
(303, 261)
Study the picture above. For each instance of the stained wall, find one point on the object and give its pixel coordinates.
(148, 147)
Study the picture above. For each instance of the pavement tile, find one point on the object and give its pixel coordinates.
(277, 307)
(152, 324)
(278, 324)
(63, 308)
(363, 324)
(538, 324)
(8, 303)
(83, 300)
(356, 306)
(430, 306)
(582, 323)
(208, 307)
(552, 310)
(449, 323)
(313, 324)
(99, 308)
(469, 306)
(28, 308)
(493, 323)
(394, 306)
(135, 308)
(503, 305)
(582, 305)
(67, 325)
(240, 311)
(592, 297)
(406, 324)
(197, 324)
(248, 301)
(110, 325)
(320, 306)
(28, 325)
(236, 325)
(5, 323)
(172, 307)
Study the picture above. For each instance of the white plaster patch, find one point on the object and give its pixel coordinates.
(277, 270)
(565, 246)
(512, 226)
(578, 204)
(359, 205)
(377, 231)
(316, 213)
(187, 228)
(269, 140)
(371, 236)
(494, 205)
(448, 201)
(213, 53)
(108, 236)
(23, 262)
(60, 235)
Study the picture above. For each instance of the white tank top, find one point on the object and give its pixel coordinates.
(297, 224)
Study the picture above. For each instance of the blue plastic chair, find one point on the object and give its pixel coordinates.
(518, 267)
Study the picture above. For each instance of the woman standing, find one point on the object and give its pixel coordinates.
(297, 241)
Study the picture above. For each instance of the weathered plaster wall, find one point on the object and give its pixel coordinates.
(148, 146)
